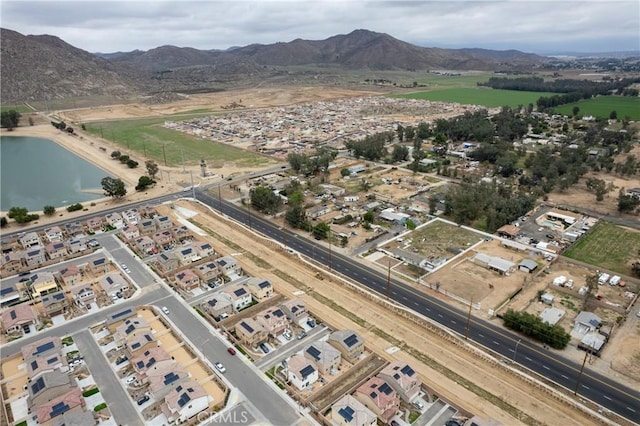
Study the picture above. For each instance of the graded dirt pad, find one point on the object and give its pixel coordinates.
(341, 308)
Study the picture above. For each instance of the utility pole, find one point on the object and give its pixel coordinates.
(575, 391)
(164, 154)
(220, 196)
(330, 262)
(193, 188)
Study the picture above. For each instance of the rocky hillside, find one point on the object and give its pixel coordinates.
(45, 67)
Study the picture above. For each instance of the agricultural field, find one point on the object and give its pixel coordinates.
(22, 109)
(150, 138)
(490, 98)
(624, 106)
(608, 246)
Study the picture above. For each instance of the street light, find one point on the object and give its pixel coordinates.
(516, 350)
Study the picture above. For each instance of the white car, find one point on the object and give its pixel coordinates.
(165, 310)
(220, 367)
(130, 380)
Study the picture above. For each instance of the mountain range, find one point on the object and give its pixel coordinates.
(40, 67)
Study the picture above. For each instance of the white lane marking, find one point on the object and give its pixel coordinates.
(562, 375)
(481, 335)
(607, 397)
(496, 343)
(545, 367)
(527, 358)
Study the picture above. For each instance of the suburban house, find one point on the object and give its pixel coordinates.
(70, 406)
(152, 360)
(181, 233)
(145, 244)
(219, 304)
(348, 411)
(83, 295)
(115, 220)
(184, 401)
(139, 343)
(186, 254)
(99, 266)
(163, 222)
(30, 239)
(494, 263)
(74, 228)
(53, 234)
(318, 211)
(49, 386)
(325, 357)
(54, 303)
(44, 355)
(76, 246)
(12, 262)
(129, 328)
(95, 224)
(229, 267)
(260, 288)
(10, 295)
(56, 250)
(391, 215)
(240, 296)
(349, 343)
(250, 332)
(295, 310)
(147, 227)
(114, 283)
(203, 248)
(168, 261)
(130, 232)
(131, 216)
(301, 373)
(35, 256)
(163, 239)
(187, 280)
(42, 283)
(273, 320)
(586, 322)
(333, 190)
(403, 379)
(162, 379)
(379, 397)
(508, 231)
(208, 271)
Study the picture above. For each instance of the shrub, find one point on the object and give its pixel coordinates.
(74, 207)
(100, 407)
(90, 392)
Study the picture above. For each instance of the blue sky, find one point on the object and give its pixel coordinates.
(531, 26)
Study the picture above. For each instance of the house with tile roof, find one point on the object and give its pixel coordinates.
(44, 355)
(54, 303)
(152, 360)
(114, 283)
(379, 397)
(403, 379)
(70, 275)
(273, 320)
(164, 377)
(184, 401)
(260, 288)
(296, 310)
(348, 411)
(325, 357)
(48, 412)
(240, 296)
(250, 332)
(301, 373)
(42, 283)
(187, 280)
(349, 343)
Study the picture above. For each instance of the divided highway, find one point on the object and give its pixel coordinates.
(590, 385)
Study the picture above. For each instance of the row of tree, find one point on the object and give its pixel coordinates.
(532, 326)
(9, 119)
(538, 84)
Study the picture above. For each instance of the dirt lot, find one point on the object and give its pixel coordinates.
(339, 307)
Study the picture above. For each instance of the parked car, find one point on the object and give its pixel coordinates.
(142, 399)
(121, 359)
(418, 404)
(302, 335)
(165, 310)
(264, 348)
(231, 351)
(220, 367)
(453, 422)
(130, 380)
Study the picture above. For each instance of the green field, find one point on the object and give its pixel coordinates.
(608, 246)
(479, 96)
(20, 108)
(149, 138)
(624, 106)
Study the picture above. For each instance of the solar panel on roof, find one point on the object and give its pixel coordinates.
(239, 292)
(351, 340)
(120, 314)
(147, 353)
(264, 284)
(170, 378)
(246, 327)
(6, 290)
(37, 386)
(151, 362)
(58, 409)
(346, 413)
(408, 371)
(43, 348)
(189, 389)
(52, 360)
(110, 280)
(307, 371)
(179, 388)
(184, 398)
(130, 329)
(278, 313)
(12, 314)
(396, 376)
(373, 395)
(135, 345)
(148, 337)
(314, 352)
(385, 389)
(34, 365)
(140, 364)
(58, 296)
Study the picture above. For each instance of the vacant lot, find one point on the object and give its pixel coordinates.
(480, 96)
(624, 106)
(609, 246)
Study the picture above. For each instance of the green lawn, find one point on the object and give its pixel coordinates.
(479, 96)
(151, 139)
(603, 105)
(608, 246)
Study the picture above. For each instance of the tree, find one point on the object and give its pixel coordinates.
(598, 187)
(132, 164)
(10, 119)
(627, 203)
(399, 153)
(296, 216)
(411, 225)
(116, 155)
(113, 187)
(49, 210)
(613, 115)
(124, 158)
(144, 182)
(3, 222)
(296, 161)
(368, 216)
(265, 200)
(152, 168)
(321, 231)
(575, 110)
(21, 215)
(70, 130)
(345, 172)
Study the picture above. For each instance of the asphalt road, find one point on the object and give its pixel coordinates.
(547, 363)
